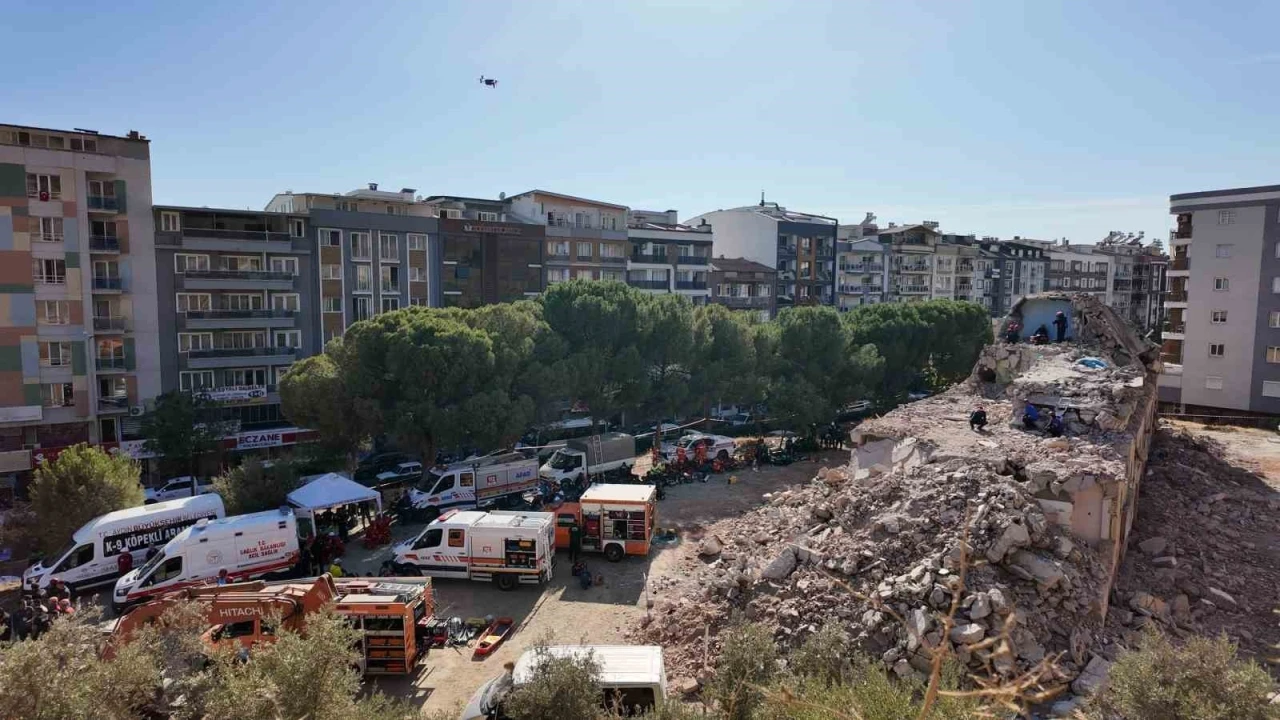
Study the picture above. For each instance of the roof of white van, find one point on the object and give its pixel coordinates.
(620, 665)
(209, 502)
(236, 523)
(463, 517)
(618, 492)
(515, 519)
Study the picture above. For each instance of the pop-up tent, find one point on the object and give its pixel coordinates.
(331, 491)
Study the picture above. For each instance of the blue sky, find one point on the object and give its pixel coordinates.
(1040, 119)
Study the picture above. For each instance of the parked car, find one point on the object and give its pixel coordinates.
(915, 395)
(716, 446)
(853, 410)
(368, 470)
(406, 471)
(175, 488)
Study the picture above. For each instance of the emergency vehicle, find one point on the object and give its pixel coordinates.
(617, 520)
(474, 483)
(502, 547)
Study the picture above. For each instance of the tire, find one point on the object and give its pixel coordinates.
(506, 582)
(723, 456)
(614, 553)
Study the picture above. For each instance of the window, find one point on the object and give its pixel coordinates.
(361, 246)
(189, 302)
(50, 230)
(362, 309)
(246, 377)
(558, 249)
(1217, 350)
(457, 538)
(182, 262)
(1275, 284)
(364, 278)
(1222, 251)
(1226, 217)
(611, 251)
(488, 216)
(297, 228)
(418, 301)
(1270, 388)
(243, 340)
(390, 304)
(39, 186)
(584, 251)
(331, 238)
(584, 275)
(53, 312)
(283, 265)
(557, 274)
(417, 242)
(1213, 382)
(451, 214)
(195, 341)
(1221, 284)
(240, 263)
(390, 277)
(170, 222)
(84, 144)
(57, 395)
(1217, 317)
(1274, 319)
(242, 301)
(102, 189)
(287, 339)
(388, 248)
(615, 275)
(417, 274)
(49, 272)
(333, 304)
(331, 272)
(170, 569)
(195, 380)
(1273, 354)
(55, 354)
(347, 206)
(285, 301)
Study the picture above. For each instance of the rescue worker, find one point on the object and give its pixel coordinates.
(978, 419)
(124, 562)
(1060, 324)
(1055, 425)
(1041, 336)
(575, 542)
(1030, 416)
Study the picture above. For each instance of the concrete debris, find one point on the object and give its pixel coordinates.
(710, 546)
(1154, 546)
(968, 633)
(1093, 678)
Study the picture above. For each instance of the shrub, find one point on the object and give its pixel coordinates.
(748, 662)
(563, 688)
(253, 487)
(80, 484)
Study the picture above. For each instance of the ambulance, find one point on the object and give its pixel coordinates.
(506, 548)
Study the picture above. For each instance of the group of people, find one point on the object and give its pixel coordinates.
(1013, 331)
(37, 612)
(1030, 420)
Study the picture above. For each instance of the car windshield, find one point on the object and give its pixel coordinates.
(564, 461)
(62, 552)
(429, 481)
(686, 441)
(150, 565)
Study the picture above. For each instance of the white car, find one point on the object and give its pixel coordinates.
(175, 488)
(716, 447)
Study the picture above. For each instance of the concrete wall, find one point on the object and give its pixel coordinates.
(1268, 302)
(744, 234)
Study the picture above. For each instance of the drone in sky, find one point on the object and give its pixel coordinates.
(488, 82)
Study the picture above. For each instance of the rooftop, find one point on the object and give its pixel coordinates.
(133, 135)
(570, 198)
(742, 265)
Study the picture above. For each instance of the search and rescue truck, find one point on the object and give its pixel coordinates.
(617, 520)
(581, 458)
(474, 483)
(245, 546)
(506, 548)
(92, 557)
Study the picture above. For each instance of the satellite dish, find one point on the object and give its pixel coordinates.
(502, 196)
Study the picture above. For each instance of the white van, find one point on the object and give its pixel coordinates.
(93, 556)
(246, 546)
(632, 677)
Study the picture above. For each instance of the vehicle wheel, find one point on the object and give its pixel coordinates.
(723, 456)
(506, 582)
(613, 553)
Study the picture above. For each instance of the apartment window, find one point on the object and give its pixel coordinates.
(1217, 349)
(84, 144)
(418, 301)
(1222, 284)
(388, 248)
(191, 380)
(1217, 317)
(44, 186)
(1273, 354)
(584, 251)
(333, 304)
(558, 249)
(361, 246)
(55, 354)
(57, 395)
(451, 214)
(488, 216)
(50, 229)
(297, 228)
(331, 238)
(287, 339)
(243, 340)
(584, 275)
(246, 377)
(53, 312)
(283, 265)
(417, 274)
(331, 272)
(1274, 319)
(611, 251)
(364, 278)
(243, 301)
(581, 220)
(347, 206)
(362, 309)
(1226, 217)
(1222, 251)
(170, 221)
(183, 262)
(610, 223)
(285, 301)
(49, 272)
(1270, 388)
(557, 274)
(102, 188)
(390, 277)
(417, 242)
(191, 302)
(763, 290)
(390, 304)
(1212, 382)
(195, 341)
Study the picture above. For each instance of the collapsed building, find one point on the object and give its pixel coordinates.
(1037, 524)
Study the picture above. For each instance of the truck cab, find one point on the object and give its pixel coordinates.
(565, 464)
(443, 488)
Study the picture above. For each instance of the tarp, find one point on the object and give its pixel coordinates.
(330, 491)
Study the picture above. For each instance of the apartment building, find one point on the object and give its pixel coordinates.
(1020, 269)
(862, 272)
(1136, 281)
(1221, 344)
(668, 257)
(79, 338)
(801, 247)
(953, 270)
(912, 251)
(376, 252)
(585, 239)
(1079, 269)
(741, 284)
(239, 301)
(488, 254)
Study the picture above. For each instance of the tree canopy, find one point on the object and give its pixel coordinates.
(181, 428)
(80, 484)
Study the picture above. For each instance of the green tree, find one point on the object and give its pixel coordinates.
(253, 487)
(817, 368)
(666, 342)
(314, 395)
(80, 484)
(565, 687)
(748, 663)
(724, 364)
(182, 428)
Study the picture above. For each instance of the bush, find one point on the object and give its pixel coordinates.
(564, 688)
(82, 483)
(866, 687)
(824, 657)
(748, 662)
(253, 487)
(1202, 680)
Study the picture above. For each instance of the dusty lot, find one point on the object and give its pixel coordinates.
(563, 610)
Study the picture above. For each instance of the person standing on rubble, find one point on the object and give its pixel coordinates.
(1030, 416)
(1060, 324)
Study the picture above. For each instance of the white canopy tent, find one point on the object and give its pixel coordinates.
(331, 491)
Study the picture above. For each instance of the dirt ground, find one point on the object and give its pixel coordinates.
(563, 610)
(1251, 448)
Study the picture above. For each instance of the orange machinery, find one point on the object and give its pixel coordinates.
(617, 520)
(392, 616)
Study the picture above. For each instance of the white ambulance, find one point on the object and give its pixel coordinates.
(503, 547)
(93, 556)
(472, 483)
(245, 546)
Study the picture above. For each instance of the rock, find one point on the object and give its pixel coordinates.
(1045, 572)
(1093, 677)
(1014, 536)
(981, 607)
(1064, 708)
(1148, 604)
(938, 597)
(710, 546)
(1168, 561)
(999, 602)
(967, 633)
(1182, 607)
(903, 669)
(1154, 546)
(686, 685)
(1220, 597)
(823, 512)
(891, 526)
(1063, 548)
(1060, 443)
(781, 566)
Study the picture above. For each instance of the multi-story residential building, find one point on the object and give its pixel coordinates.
(376, 251)
(862, 272)
(741, 284)
(801, 247)
(585, 239)
(667, 256)
(912, 252)
(1136, 280)
(1079, 268)
(953, 270)
(79, 338)
(1221, 343)
(488, 254)
(1022, 269)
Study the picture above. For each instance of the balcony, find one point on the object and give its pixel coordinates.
(738, 301)
(1180, 263)
(691, 284)
(114, 323)
(102, 203)
(230, 240)
(110, 364)
(108, 284)
(964, 267)
(914, 269)
(389, 289)
(104, 244)
(1175, 331)
(237, 279)
(650, 284)
(692, 260)
(235, 319)
(113, 404)
(913, 290)
(236, 357)
(1176, 296)
(612, 260)
(853, 289)
(651, 258)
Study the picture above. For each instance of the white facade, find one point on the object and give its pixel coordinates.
(744, 233)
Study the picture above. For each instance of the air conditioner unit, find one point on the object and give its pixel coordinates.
(136, 411)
